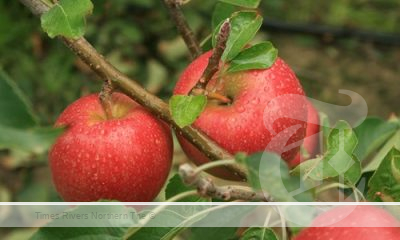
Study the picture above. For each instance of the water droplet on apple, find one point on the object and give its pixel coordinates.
(256, 100)
(240, 109)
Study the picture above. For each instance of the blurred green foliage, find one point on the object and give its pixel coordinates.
(138, 37)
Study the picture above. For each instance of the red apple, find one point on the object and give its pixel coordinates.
(311, 141)
(242, 125)
(340, 223)
(125, 158)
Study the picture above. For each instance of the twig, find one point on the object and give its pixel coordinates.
(158, 107)
(213, 62)
(183, 27)
(207, 188)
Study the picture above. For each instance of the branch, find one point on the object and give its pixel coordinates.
(183, 27)
(213, 66)
(213, 62)
(158, 107)
(207, 188)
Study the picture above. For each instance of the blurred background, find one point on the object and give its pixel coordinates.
(332, 45)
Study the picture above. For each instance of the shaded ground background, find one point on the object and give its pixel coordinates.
(137, 36)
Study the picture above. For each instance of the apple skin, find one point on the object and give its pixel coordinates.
(241, 126)
(311, 141)
(126, 158)
(378, 225)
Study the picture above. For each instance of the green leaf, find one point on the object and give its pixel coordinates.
(243, 3)
(257, 233)
(99, 228)
(67, 18)
(384, 185)
(35, 140)
(338, 161)
(221, 12)
(213, 233)
(244, 26)
(269, 173)
(372, 133)
(18, 127)
(14, 109)
(393, 142)
(259, 56)
(176, 186)
(186, 109)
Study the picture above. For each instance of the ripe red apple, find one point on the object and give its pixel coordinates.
(241, 125)
(311, 141)
(125, 158)
(339, 223)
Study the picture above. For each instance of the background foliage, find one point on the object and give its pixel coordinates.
(138, 37)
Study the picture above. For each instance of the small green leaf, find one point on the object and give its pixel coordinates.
(257, 233)
(186, 109)
(67, 18)
(244, 26)
(338, 161)
(221, 12)
(243, 3)
(269, 173)
(176, 186)
(386, 179)
(372, 133)
(14, 109)
(259, 56)
(393, 142)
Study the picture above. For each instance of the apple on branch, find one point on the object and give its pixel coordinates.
(124, 157)
(258, 98)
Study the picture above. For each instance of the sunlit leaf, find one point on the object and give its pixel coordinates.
(67, 18)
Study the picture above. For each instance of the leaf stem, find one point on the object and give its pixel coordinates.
(214, 164)
(157, 210)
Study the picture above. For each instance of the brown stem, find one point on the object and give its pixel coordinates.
(183, 27)
(106, 98)
(213, 62)
(158, 107)
(207, 188)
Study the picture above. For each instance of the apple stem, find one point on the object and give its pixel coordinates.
(191, 176)
(215, 59)
(187, 34)
(106, 99)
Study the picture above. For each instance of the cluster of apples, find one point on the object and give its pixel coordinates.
(128, 157)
